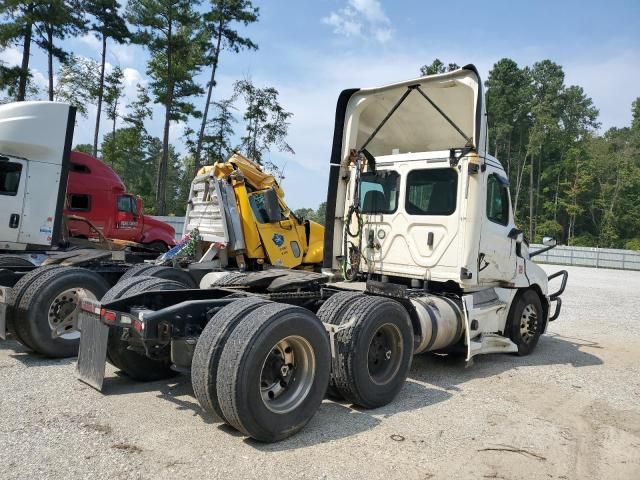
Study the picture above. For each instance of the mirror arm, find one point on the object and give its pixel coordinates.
(542, 250)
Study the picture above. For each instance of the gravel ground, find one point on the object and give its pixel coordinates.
(569, 410)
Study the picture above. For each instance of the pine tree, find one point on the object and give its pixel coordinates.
(219, 27)
(106, 24)
(169, 29)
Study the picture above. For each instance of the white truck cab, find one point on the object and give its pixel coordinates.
(30, 209)
(418, 202)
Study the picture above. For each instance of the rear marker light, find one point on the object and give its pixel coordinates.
(138, 325)
(107, 315)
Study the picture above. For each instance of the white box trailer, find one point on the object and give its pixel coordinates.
(35, 143)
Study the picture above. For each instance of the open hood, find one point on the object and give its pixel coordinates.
(37, 131)
(438, 113)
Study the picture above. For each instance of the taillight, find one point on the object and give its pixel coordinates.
(138, 325)
(108, 315)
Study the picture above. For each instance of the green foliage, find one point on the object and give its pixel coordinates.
(84, 148)
(78, 83)
(633, 244)
(437, 67)
(170, 30)
(267, 122)
(218, 35)
(317, 216)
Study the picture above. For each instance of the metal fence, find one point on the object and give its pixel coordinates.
(579, 256)
(590, 257)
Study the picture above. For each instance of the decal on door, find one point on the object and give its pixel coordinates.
(278, 239)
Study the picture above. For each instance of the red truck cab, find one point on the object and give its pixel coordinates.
(97, 193)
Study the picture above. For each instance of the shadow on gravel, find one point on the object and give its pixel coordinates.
(29, 358)
(447, 371)
(335, 420)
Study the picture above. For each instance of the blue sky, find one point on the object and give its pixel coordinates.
(311, 50)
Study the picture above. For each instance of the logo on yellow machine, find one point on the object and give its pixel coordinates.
(278, 239)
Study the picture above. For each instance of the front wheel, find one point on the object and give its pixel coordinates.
(526, 322)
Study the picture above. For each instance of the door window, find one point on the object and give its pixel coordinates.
(379, 192)
(260, 207)
(497, 200)
(431, 191)
(10, 178)
(126, 204)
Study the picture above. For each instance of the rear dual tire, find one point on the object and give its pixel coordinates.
(47, 300)
(373, 351)
(132, 363)
(270, 375)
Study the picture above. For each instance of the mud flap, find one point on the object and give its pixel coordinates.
(92, 355)
(4, 295)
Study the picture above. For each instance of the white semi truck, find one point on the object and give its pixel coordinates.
(421, 254)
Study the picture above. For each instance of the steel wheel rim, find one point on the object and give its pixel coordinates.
(528, 323)
(384, 355)
(287, 374)
(63, 312)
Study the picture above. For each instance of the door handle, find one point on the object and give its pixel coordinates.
(14, 220)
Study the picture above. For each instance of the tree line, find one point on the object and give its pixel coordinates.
(567, 179)
(184, 38)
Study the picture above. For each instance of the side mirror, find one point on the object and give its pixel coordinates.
(549, 241)
(517, 235)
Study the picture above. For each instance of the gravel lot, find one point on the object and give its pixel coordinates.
(570, 410)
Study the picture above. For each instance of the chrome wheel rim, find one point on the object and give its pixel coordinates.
(528, 323)
(287, 374)
(385, 354)
(63, 313)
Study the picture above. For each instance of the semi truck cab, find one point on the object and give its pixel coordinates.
(42, 180)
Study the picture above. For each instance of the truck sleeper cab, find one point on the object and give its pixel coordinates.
(421, 253)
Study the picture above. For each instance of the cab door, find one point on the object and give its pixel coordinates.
(128, 222)
(496, 258)
(13, 179)
(277, 231)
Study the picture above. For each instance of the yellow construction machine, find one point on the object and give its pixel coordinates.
(241, 219)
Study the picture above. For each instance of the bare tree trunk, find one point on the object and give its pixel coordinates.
(161, 180)
(50, 59)
(100, 93)
(205, 114)
(531, 200)
(26, 53)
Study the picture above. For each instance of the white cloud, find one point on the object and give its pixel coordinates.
(11, 56)
(125, 54)
(91, 41)
(361, 18)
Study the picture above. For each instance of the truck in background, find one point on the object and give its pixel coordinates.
(97, 193)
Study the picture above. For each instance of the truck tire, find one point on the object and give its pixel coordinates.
(331, 312)
(15, 295)
(290, 347)
(526, 322)
(133, 364)
(135, 271)
(374, 352)
(208, 351)
(230, 279)
(49, 302)
(14, 261)
(170, 273)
